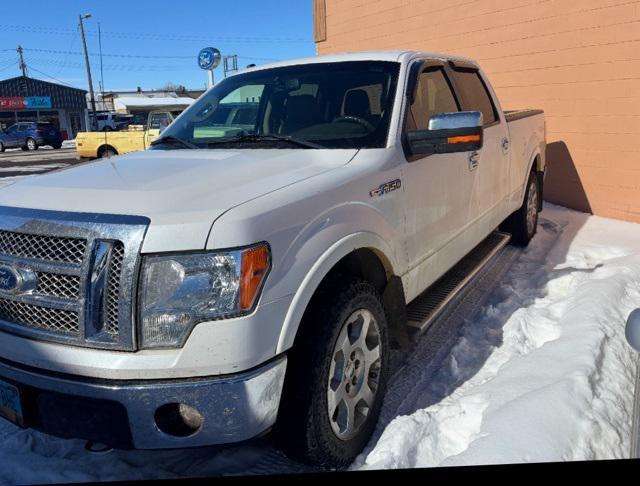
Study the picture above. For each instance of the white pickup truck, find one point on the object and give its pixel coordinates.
(250, 275)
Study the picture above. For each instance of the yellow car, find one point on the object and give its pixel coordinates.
(108, 144)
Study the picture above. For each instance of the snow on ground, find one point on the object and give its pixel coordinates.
(557, 380)
(536, 370)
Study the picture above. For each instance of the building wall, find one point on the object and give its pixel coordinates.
(579, 60)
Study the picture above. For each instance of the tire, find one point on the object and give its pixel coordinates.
(523, 223)
(321, 376)
(2, 147)
(31, 144)
(107, 153)
(57, 146)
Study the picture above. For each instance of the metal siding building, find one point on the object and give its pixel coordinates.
(576, 59)
(66, 107)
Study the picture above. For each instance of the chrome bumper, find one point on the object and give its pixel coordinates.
(233, 407)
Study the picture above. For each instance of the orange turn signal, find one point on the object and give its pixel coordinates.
(464, 139)
(255, 265)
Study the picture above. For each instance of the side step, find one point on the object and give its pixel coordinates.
(424, 309)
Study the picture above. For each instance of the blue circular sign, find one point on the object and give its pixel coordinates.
(209, 58)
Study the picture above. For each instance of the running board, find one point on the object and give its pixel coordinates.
(424, 309)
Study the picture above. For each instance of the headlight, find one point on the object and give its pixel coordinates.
(179, 291)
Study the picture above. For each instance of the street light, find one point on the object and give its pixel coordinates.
(86, 60)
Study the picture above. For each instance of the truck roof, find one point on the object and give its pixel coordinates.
(395, 56)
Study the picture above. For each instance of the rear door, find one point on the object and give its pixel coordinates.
(492, 167)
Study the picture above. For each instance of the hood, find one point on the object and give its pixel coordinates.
(182, 191)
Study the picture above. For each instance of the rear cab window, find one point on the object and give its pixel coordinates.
(475, 95)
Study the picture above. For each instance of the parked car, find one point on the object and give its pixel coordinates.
(108, 144)
(30, 136)
(112, 121)
(230, 281)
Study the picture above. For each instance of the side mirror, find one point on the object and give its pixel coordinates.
(448, 133)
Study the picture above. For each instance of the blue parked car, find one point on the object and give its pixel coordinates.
(30, 136)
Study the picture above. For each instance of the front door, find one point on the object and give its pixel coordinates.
(439, 190)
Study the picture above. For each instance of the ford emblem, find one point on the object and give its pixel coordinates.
(10, 278)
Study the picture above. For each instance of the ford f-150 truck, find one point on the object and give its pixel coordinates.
(233, 281)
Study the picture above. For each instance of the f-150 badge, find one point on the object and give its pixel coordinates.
(382, 189)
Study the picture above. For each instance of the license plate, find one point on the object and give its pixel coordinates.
(10, 407)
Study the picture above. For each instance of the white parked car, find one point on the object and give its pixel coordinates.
(240, 276)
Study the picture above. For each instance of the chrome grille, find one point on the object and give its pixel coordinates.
(48, 319)
(76, 274)
(113, 288)
(49, 248)
(58, 285)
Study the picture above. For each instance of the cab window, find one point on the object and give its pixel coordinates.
(433, 95)
(475, 96)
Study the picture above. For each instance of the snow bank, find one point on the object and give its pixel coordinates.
(558, 381)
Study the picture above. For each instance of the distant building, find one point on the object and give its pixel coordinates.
(24, 99)
(141, 102)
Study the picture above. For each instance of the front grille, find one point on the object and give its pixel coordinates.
(76, 274)
(44, 318)
(48, 248)
(113, 288)
(58, 285)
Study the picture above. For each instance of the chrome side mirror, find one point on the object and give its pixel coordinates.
(447, 133)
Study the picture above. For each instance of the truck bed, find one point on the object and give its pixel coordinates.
(513, 115)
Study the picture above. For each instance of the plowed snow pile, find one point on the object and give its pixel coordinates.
(558, 381)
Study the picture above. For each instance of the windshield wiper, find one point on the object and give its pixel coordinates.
(170, 139)
(256, 137)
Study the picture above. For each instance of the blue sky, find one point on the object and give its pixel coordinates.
(136, 32)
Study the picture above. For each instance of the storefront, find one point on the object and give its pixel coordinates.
(24, 99)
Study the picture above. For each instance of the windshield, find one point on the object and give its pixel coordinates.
(330, 105)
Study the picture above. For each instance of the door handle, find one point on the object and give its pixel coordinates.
(505, 145)
(474, 160)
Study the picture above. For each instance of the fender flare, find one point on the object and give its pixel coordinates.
(532, 160)
(319, 271)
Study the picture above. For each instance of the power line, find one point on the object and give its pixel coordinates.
(137, 56)
(153, 36)
(51, 77)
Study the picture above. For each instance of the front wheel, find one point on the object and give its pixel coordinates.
(336, 377)
(523, 223)
(31, 144)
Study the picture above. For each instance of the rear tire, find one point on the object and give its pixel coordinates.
(336, 376)
(523, 223)
(107, 153)
(2, 147)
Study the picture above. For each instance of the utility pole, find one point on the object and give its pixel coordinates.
(101, 69)
(86, 60)
(23, 66)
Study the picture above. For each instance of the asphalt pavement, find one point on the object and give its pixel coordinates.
(16, 163)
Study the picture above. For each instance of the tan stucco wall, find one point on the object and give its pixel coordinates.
(579, 60)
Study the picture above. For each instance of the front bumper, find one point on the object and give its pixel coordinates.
(123, 413)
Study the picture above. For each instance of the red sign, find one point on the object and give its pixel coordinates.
(15, 103)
